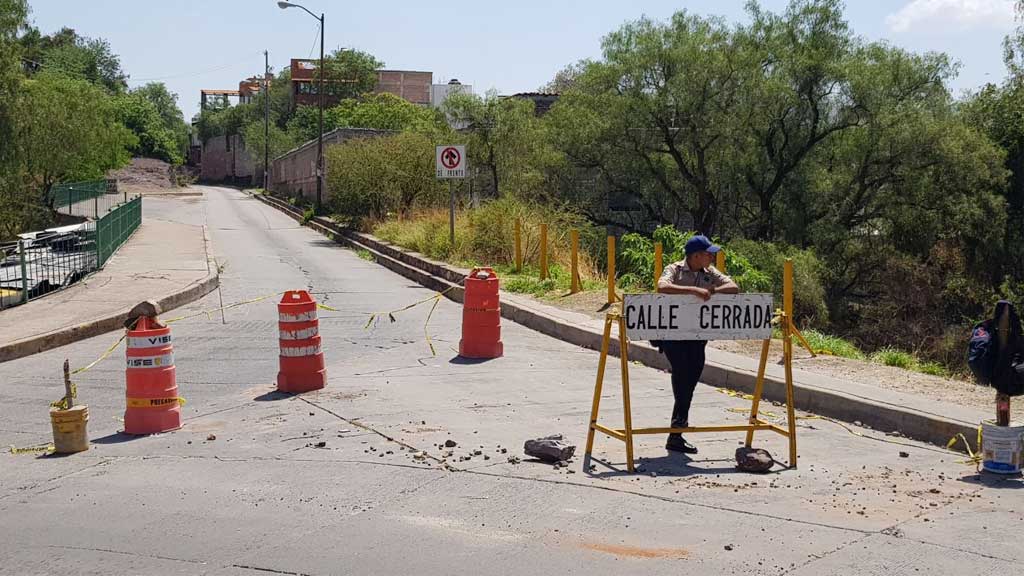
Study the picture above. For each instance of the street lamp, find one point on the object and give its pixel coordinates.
(320, 98)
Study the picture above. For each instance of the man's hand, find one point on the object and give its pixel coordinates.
(701, 293)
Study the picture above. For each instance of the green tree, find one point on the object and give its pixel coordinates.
(12, 19)
(67, 53)
(384, 112)
(68, 130)
(253, 135)
(154, 138)
(505, 140)
(350, 73)
(17, 208)
(372, 177)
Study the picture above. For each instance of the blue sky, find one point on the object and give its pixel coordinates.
(509, 46)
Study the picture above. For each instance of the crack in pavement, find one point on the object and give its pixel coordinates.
(19, 491)
(126, 553)
(270, 570)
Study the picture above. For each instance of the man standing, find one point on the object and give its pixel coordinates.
(696, 276)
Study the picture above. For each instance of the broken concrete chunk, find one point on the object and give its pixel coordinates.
(549, 448)
(147, 308)
(753, 459)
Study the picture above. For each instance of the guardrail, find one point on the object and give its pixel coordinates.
(51, 260)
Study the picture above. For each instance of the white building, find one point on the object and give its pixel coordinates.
(440, 92)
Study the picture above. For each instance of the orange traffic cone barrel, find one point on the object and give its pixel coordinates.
(302, 360)
(152, 403)
(481, 316)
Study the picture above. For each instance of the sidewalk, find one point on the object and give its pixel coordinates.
(163, 261)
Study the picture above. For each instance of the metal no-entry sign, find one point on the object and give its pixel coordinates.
(451, 162)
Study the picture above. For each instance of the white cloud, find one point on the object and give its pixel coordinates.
(952, 14)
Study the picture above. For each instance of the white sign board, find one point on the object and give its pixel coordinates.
(687, 317)
(451, 161)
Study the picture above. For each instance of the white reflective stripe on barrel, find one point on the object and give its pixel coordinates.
(162, 361)
(302, 334)
(301, 317)
(149, 341)
(296, 351)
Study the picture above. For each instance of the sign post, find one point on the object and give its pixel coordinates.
(451, 164)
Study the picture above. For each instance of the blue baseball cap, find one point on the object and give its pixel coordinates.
(700, 243)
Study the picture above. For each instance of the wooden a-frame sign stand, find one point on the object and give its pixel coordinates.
(615, 316)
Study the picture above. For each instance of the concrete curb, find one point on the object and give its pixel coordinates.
(64, 336)
(881, 416)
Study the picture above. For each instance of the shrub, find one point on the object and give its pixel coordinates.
(486, 235)
(933, 369)
(832, 345)
(894, 357)
(767, 259)
(369, 178)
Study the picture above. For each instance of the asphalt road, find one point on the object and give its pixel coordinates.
(243, 489)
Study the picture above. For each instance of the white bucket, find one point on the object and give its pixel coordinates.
(1002, 448)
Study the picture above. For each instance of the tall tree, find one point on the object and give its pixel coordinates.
(68, 131)
(66, 52)
(504, 139)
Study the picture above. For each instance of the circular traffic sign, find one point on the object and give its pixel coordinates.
(450, 158)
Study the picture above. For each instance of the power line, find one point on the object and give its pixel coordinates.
(315, 38)
(198, 73)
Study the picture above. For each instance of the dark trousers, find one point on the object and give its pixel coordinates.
(687, 360)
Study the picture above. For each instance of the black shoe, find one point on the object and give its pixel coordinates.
(677, 443)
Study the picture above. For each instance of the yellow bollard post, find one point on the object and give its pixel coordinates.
(720, 261)
(658, 265)
(787, 347)
(611, 269)
(543, 251)
(519, 246)
(575, 286)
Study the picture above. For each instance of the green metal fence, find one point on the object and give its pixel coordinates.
(54, 259)
(69, 193)
(113, 229)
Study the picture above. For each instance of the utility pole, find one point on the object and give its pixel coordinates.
(320, 91)
(320, 137)
(266, 121)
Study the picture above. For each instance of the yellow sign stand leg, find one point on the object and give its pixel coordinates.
(615, 316)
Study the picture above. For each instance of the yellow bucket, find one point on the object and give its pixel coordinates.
(69, 429)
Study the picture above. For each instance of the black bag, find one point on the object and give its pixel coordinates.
(981, 353)
(1008, 365)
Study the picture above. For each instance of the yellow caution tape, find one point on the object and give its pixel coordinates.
(759, 412)
(436, 298)
(973, 457)
(65, 402)
(227, 307)
(326, 307)
(153, 402)
(48, 448)
(102, 357)
(736, 394)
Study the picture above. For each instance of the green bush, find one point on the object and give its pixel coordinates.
(933, 369)
(308, 215)
(832, 345)
(894, 357)
(767, 259)
(485, 236)
(365, 255)
(372, 178)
